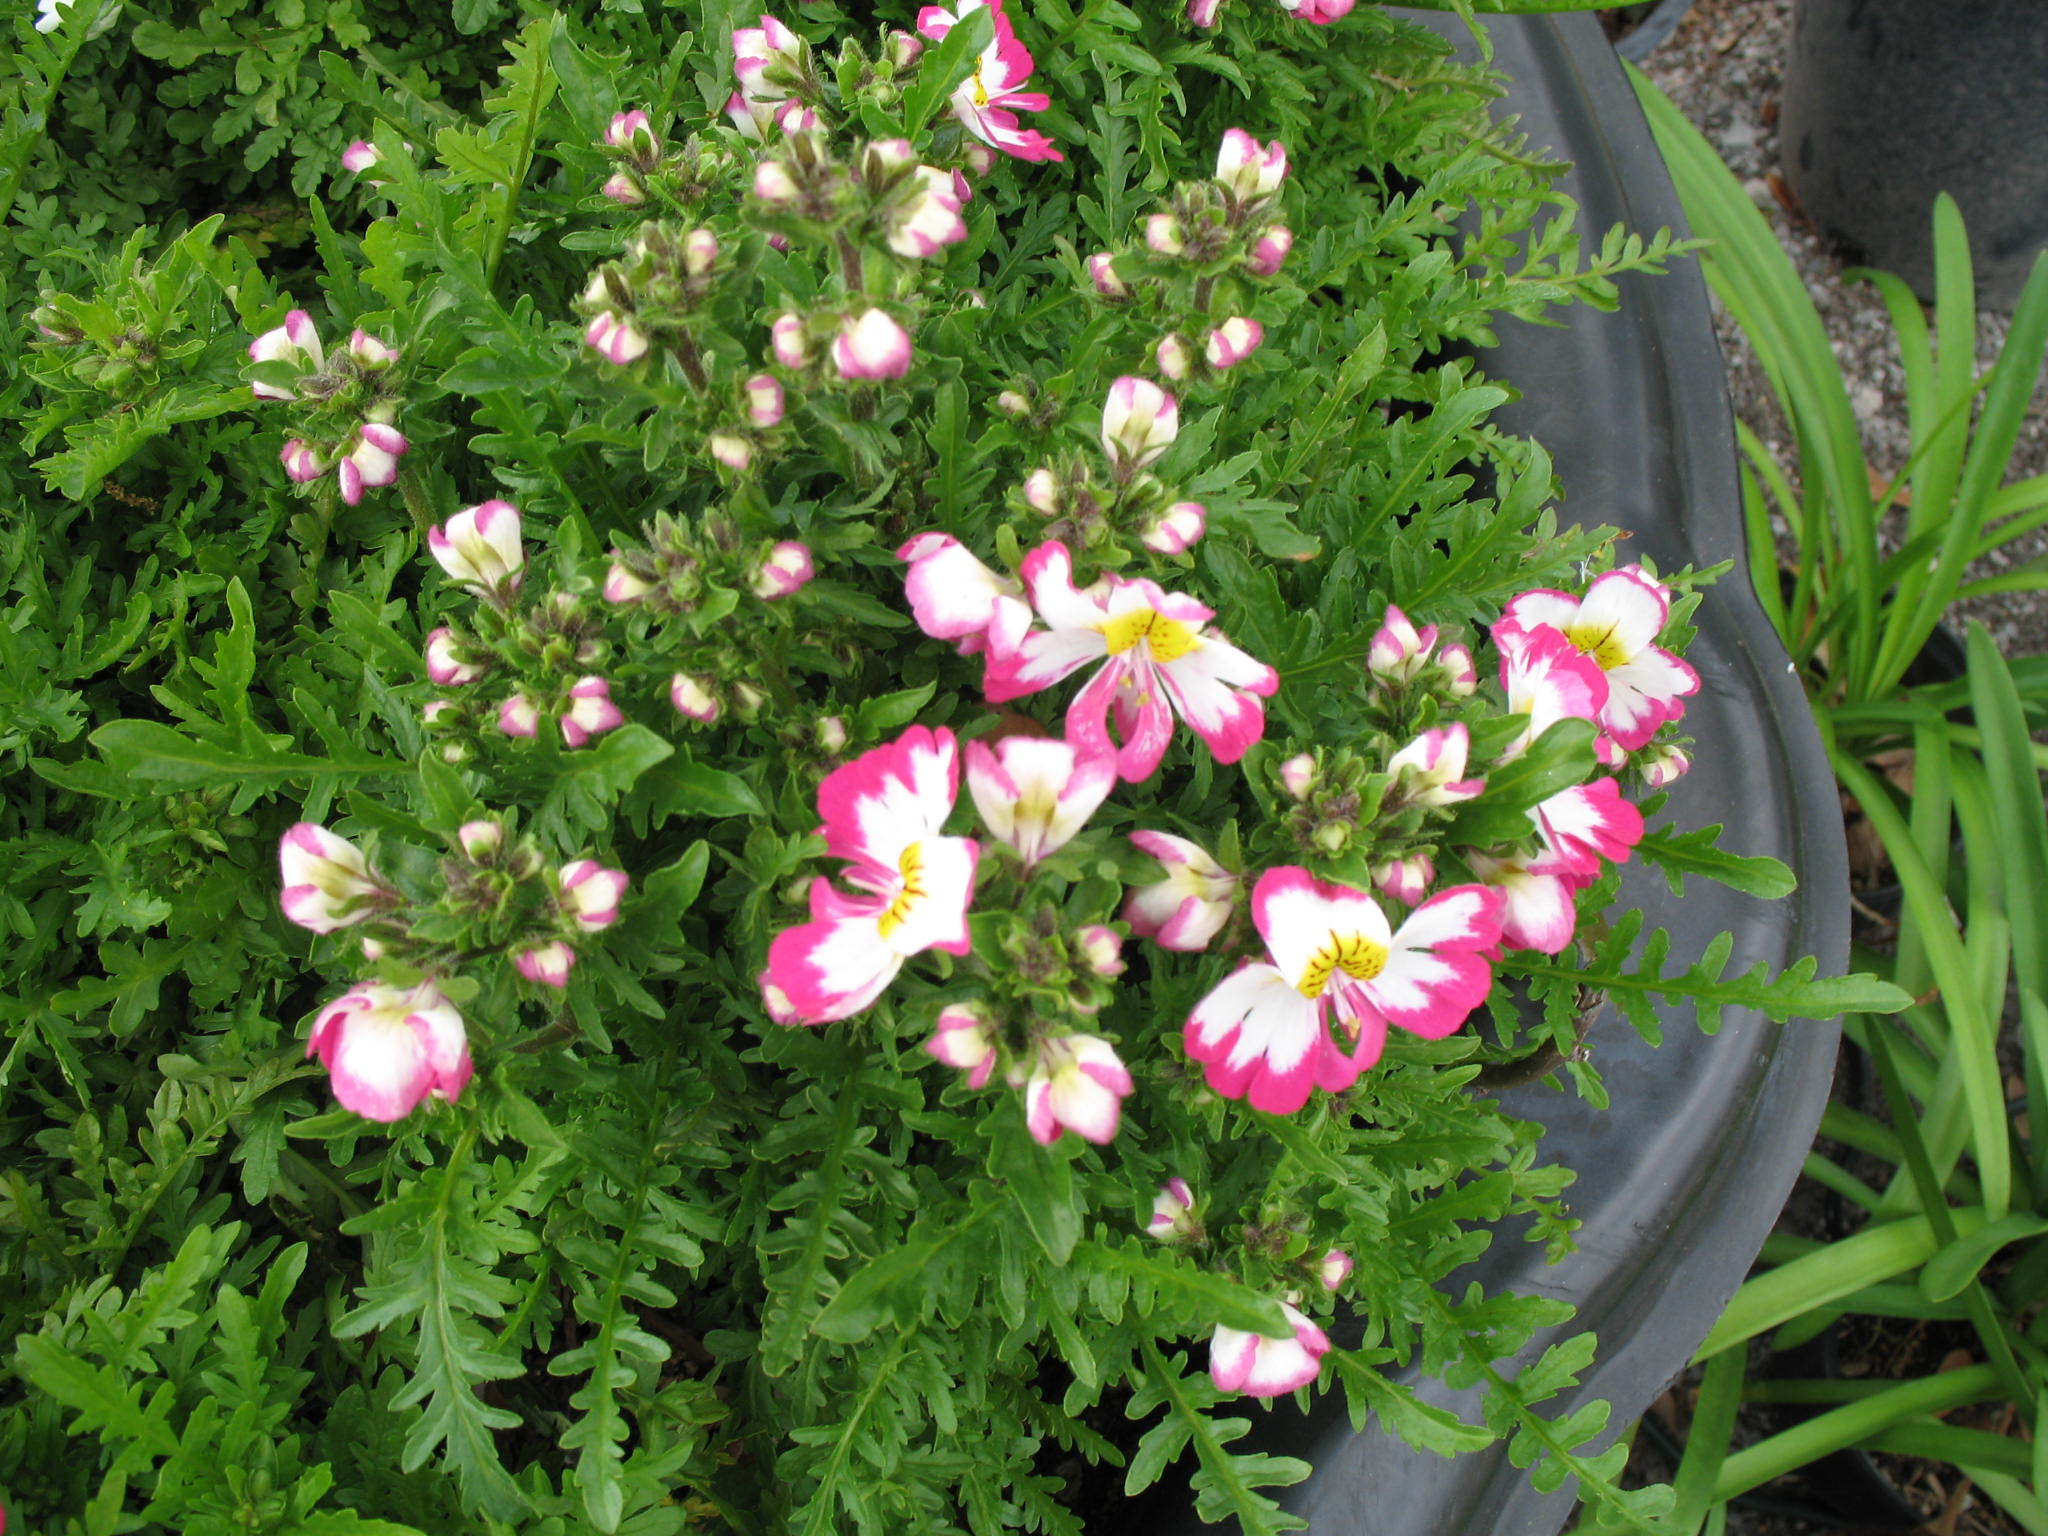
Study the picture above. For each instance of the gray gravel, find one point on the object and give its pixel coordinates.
(1722, 67)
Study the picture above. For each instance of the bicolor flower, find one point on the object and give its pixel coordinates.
(481, 839)
(1189, 907)
(1270, 251)
(787, 567)
(1175, 530)
(1077, 1084)
(882, 813)
(1585, 824)
(764, 400)
(1139, 422)
(964, 1039)
(632, 131)
(519, 716)
(591, 711)
(479, 548)
(1399, 651)
(370, 354)
(589, 894)
(1263, 1034)
(1248, 168)
(297, 342)
(1617, 623)
(1233, 341)
(693, 698)
(1333, 1269)
(1536, 909)
(735, 453)
(1320, 12)
(1202, 13)
(1100, 948)
(1171, 353)
(1407, 880)
(773, 184)
(1262, 1367)
(370, 458)
(1035, 793)
(328, 884)
(1163, 234)
(1156, 663)
(302, 462)
(622, 586)
(387, 1048)
(615, 339)
(446, 663)
(988, 100)
(769, 60)
(1428, 771)
(624, 189)
(955, 597)
(1298, 775)
(1042, 493)
(788, 340)
(873, 346)
(1102, 273)
(1461, 678)
(1173, 1213)
(927, 218)
(1547, 679)
(548, 964)
(1663, 766)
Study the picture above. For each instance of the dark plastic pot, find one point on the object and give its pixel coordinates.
(1680, 1181)
(1888, 102)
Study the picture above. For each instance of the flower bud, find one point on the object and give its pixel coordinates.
(359, 157)
(1172, 355)
(1139, 422)
(1202, 13)
(591, 712)
(832, 735)
(1662, 765)
(518, 716)
(1176, 529)
(979, 157)
(791, 346)
(1298, 775)
(480, 839)
(764, 400)
(773, 184)
(1248, 168)
(1173, 1213)
(1013, 404)
(446, 666)
(1102, 272)
(623, 188)
(904, 47)
(1461, 678)
(632, 131)
(1334, 1268)
(888, 158)
(1042, 492)
(1270, 251)
(622, 586)
(370, 458)
(871, 347)
(1406, 880)
(615, 340)
(787, 568)
(735, 453)
(371, 355)
(548, 964)
(700, 250)
(693, 699)
(480, 548)
(1163, 234)
(328, 884)
(1233, 341)
(1399, 651)
(590, 893)
(964, 1039)
(1100, 948)
(747, 700)
(301, 463)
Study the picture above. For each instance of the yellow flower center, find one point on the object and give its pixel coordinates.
(898, 912)
(1167, 639)
(1352, 953)
(980, 90)
(1599, 643)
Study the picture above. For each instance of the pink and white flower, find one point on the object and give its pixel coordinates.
(1035, 793)
(328, 884)
(447, 666)
(481, 839)
(1175, 530)
(1156, 663)
(1547, 679)
(359, 156)
(1270, 251)
(1077, 1084)
(1407, 880)
(764, 400)
(1249, 169)
(1586, 824)
(1298, 775)
(1173, 1213)
(1202, 13)
(785, 570)
(965, 1039)
(591, 712)
(1102, 273)
(773, 184)
(622, 586)
(1190, 906)
(735, 453)
(1164, 235)
(927, 219)
(1172, 356)
(1320, 12)
(387, 1048)
(1139, 422)
(1264, 1035)
(1233, 341)
(1428, 771)
(624, 189)
(615, 339)
(1262, 1367)
(480, 548)
(589, 894)
(1663, 766)
(988, 100)
(788, 339)
(370, 353)
(769, 60)
(692, 696)
(882, 813)
(873, 346)
(632, 131)
(955, 597)
(1100, 948)
(1536, 911)
(302, 462)
(297, 342)
(1399, 651)
(1461, 678)
(548, 964)
(1616, 624)
(1333, 1269)
(1042, 493)
(519, 716)
(370, 458)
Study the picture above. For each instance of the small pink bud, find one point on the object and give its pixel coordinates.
(1298, 775)
(359, 157)
(370, 354)
(795, 117)
(1406, 880)
(1101, 950)
(1248, 168)
(1233, 341)
(1139, 422)
(1162, 234)
(764, 400)
(1271, 250)
(1334, 1268)
(630, 130)
(1042, 492)
(1172, 354)
(301, 463)
(1663, 766)
(1173, 1213)
(735, 453)
(774, 184)
(1202, 13)
(548, 964)
(518, 716)
(904, 47)
(480, 547)
(1461, 677)
(371, 459)
(623, 188)
(1102, 272)
(832, 734)
(591, 893)
(965, 1040)
(693, 698)
(591, 712)
(787, 568)
(871, 347)
(446, 666)
(1177, 528)
(617, 341)
(622, 586)
(791, 346)
(480, 839)
(1013, 404)
(374, 949)
(887, 157)
(700, 250)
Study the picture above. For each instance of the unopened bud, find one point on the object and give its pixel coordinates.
(1102, 272)
(700, 250)
(1163, 234)
(1172, 354)
(1042, 492)
(480, 839)
(693, 698)
(1298, 775)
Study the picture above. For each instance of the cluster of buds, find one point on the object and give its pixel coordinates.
(631, 140)
(347, 404)
(779, 85)
(1070, 1081)
(586, 901)
(890, 197)
(1139, 423)
(1402, 661)
(1208, 13)
(650, 295)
